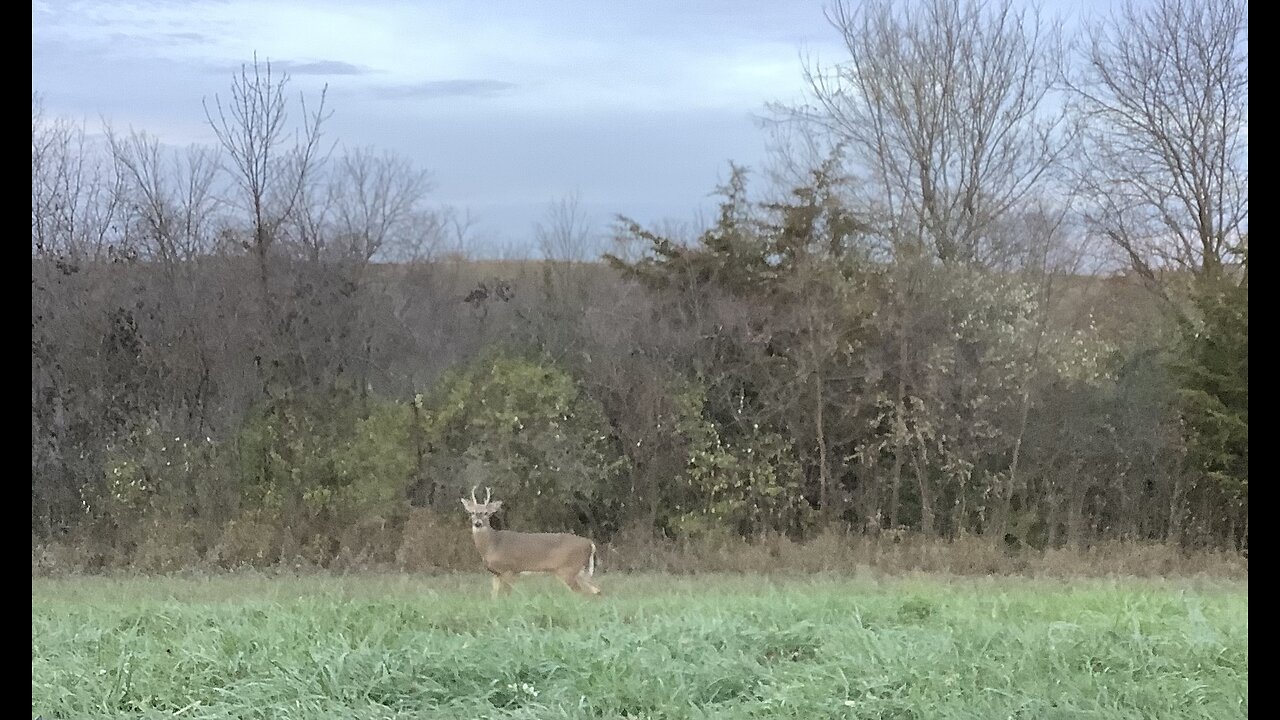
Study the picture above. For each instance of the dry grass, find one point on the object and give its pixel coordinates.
(857, 554)
(424, 541)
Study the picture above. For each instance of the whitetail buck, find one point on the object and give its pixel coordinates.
(506, 553)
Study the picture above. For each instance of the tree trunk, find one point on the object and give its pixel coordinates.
(1076, 512)
(1053, 501)
(1244, 541)
(653, 503)
(927, 514)
(1176, 510)
(824, 468)
(420, 449)
(895, 485)
(999, 523)
(961, 511)
(869, 496)
(900, 421)
(899, 454)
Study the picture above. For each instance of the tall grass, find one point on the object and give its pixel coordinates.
(425, 541)
(657, 646)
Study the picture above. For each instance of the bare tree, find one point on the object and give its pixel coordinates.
(74, 193)
(271, 166)
(377, 202)
(566, 233)
(945, 106)
(274, 168)
(1164, 94)
(946, 109)
(169, 198)
(564, 237)
(169, 202)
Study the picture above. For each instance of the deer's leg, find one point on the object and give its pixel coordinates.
(507, 580)
(571, 580)
(502, 583)
(591, 587)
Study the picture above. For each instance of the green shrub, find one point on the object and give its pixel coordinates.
(324, 459)
(524, 428)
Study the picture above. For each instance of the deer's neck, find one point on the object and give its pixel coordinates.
(484, 539)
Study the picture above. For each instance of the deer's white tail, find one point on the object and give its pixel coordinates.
(591, 562)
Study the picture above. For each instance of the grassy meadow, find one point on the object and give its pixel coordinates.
(392, 645)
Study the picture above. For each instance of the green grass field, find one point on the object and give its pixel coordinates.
(399, 646)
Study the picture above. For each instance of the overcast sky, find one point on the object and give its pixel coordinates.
(637, 107)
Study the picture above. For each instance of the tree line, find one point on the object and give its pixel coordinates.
(907, 322)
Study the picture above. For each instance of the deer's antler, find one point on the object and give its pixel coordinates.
(487, 494)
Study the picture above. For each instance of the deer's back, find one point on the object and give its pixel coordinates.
(511, 551)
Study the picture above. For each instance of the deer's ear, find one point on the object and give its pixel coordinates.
(465, 504)
(496, 505)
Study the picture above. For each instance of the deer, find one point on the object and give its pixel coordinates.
(506, 553)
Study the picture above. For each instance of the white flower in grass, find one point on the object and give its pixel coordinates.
(523, 689)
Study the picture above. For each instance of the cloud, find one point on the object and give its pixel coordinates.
(190, 37)
(317, 67)
(448, 88)
(321, 67)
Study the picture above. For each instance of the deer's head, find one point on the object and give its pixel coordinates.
(480, 512)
